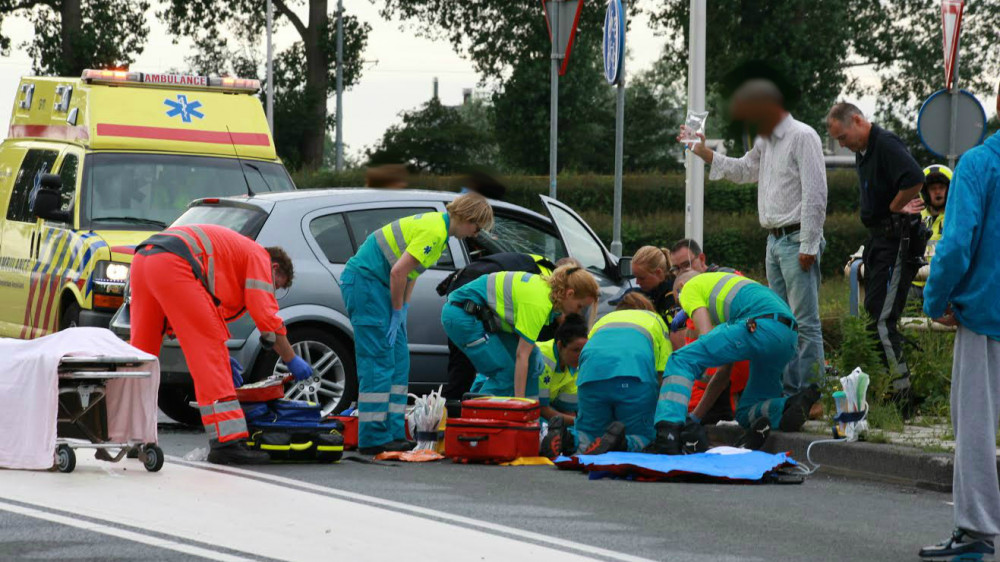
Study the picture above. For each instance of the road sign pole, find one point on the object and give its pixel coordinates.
(694, 209)
(554, 103)
(953, 133)
(270, 68)
(616, 242)
(339, 161)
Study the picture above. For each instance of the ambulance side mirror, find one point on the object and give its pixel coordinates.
(47, 203)
(625, 267)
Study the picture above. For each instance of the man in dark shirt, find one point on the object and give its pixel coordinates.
(890, 181)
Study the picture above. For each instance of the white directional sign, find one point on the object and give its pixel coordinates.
(951, 17)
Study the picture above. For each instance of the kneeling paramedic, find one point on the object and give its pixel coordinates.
(194, 279)
(617, 385)
(377, 284)
(737, 319)
(495, 320)
(557, 393)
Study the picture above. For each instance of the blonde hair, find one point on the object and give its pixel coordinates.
(568, 261)
(573, 277)
(651, 258)
(472, 208)
(635, 301)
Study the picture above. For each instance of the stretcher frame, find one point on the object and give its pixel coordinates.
(86, 377)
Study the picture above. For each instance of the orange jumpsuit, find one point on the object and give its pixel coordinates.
(194, 279)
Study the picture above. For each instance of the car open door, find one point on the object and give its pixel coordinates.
(584, 245)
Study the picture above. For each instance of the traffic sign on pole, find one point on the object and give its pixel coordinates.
(934, 123)
(951, 19)
(567, 20)
(614, 41)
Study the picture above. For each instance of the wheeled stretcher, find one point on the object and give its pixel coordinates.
(82, 421)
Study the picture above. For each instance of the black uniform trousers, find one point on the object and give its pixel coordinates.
(889, 273)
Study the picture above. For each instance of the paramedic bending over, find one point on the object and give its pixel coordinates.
(377, 283)
(514, 306)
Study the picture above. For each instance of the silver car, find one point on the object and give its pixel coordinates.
(321, 230)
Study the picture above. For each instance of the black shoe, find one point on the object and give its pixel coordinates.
(904, 399)
(558, 441)
(797, 409)
(961, 546)
(754, 437)
(668, 439)
(235, 452)
(612, 440)
(694, 438)
(399, 445)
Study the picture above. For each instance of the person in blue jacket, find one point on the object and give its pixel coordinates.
(962, 290)
(377, 283)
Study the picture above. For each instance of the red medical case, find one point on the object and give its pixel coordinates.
(501, 408)
(472, 440)
(350, 430)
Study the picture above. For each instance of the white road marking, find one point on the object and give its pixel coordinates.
(121, 533)
(266, 518)
(562, 544)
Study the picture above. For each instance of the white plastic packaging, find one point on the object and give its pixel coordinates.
(693, 125)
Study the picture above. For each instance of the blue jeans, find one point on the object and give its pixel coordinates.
(800, 289)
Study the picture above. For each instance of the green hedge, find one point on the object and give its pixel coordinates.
(641, 194)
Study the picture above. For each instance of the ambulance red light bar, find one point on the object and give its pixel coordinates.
(180, 80)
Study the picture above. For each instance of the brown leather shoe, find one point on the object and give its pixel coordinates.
(816, 412)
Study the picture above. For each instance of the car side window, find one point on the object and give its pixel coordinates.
(67, 173)
(36, 162)
(363, 223)
(580, 242)
(331, 234)
(512, 235)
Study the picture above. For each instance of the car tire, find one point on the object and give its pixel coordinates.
(70, 317)
(175, 401)
(329, 355)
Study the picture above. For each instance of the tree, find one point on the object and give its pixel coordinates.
(71, 35)
(435, 138)
(308, 68)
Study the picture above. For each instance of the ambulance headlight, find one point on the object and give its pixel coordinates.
(116, 272)
(109, 277)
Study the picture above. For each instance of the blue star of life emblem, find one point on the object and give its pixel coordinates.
(548, 379)
(427, 249)
(186, 109)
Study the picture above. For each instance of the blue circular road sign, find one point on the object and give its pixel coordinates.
(934, 123)
(614, 41)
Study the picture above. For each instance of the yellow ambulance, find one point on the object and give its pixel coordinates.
(125, 152)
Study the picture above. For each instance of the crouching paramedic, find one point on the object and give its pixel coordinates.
(617, 385)
(377, 283)
(560, 358)
(495, 320)
(194, 279)
(737, 319)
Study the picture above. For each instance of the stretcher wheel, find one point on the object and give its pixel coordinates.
(65, 458)
(154, 458)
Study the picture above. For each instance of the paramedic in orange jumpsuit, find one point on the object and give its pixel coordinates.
(194, 279)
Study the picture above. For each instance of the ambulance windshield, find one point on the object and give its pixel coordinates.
(134, 191)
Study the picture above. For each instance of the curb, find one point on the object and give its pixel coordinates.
(888, 463)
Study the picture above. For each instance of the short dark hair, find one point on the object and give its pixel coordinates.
(686, 243)
(843, 111)
(573, 327)
(280, 257)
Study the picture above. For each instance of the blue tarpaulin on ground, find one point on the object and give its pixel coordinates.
(751, 465)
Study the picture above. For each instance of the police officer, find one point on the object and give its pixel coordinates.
(377, 283)
(937, 178)
(461, 372)
(737, 319)
(890, 180)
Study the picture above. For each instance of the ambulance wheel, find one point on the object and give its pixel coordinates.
(65, 458)
(70, 317)
(331, 359)
(154, 458)
(175, 401)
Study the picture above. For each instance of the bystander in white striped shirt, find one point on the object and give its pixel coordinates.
(790, 173)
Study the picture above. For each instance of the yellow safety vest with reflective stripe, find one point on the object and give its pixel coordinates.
(714, 292)
(615, 347)
(423, 236)
(542, 270)
(521, 302)
(936, 224)
(557, 383)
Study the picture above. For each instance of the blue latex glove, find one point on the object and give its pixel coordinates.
(395, 321)
(679, 321)
(237, 372)
(299, 368)
(404, 310)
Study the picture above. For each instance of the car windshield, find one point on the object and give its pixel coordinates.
(149, 191)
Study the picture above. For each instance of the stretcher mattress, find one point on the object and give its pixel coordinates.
(29, 394)
(724, 463)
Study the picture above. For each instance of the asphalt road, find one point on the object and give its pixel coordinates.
(443, 511)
